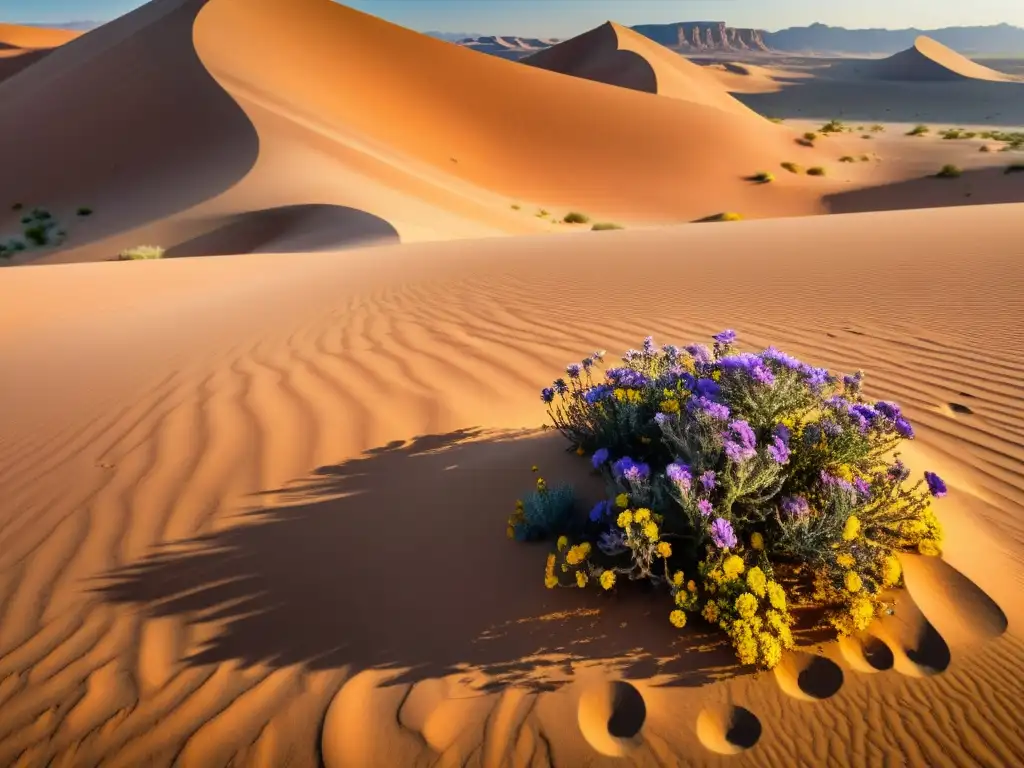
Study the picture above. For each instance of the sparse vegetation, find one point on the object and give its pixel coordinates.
(984, 148)
(40, 228)
(762, 177)
(865, 158)
(542, 213)
(833, 126)
(791, 167)
(816, 171)
(949, 172)
(515, 206)
(575, 217)
(957, 133)
(810, 136)
(846, 159)
(867, 136)
(84, 211)
(603, 226)
(141, 253)
(877, 128)
(727, 216)
(1015, 168)
(775, 119)
(918, 130)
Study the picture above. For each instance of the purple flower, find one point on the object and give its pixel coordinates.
(600, 392)
(699, 352)
(600, 457)
(899, 471)
(708, 480)
(561, 387)
(860, 420)
(832, 428)
(727, 336)
(708, 388)
(862, 487)
(680, 475)
(588, 363)
(661, 419)
(619, 467)
(777, 356)
(547, 394)
(600, 509)
(671, 351)
(865, 411)
(626, 377)
(705, 508)
(740, 442)
(889, 410)
(852, 383)
(701, 405)
(599, 355)
(903, 428)
(783, 432)
(778, 450)
(816, 378)
(835, 483)
(573, 369)
(795, 506)
(637, 472)
(722, 534)
(936, 485)
(649, 345)
(750, 364)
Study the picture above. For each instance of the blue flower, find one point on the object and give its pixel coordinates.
(936, 485)
(904, 429)
(708, 480)
(600, 392)
(561, 387)
(547, 394)
(889, 410)
(600, 510)
(573, 369)
(777, 356)
(701, 405)
(708, 388)
(600, 457)
(727, 336)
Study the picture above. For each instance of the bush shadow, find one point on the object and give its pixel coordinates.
(399, 560)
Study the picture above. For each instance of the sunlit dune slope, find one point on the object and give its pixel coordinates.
(21, 46)
(929, 60)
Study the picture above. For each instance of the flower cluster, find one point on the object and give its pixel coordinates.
(774, 482)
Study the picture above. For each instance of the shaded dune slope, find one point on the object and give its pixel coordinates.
(131, 124)
(21, 46)
(147, 619)
(929, 61)
(617, 55)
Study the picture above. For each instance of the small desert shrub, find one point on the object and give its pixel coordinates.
(141, 253)
(1015, 168)
(864, 158)
(542, 213)
(846, 159)
(27, 220)
(726, 216)
(810, 136)
(816, 171)
(984, 148)
(867, 136)
(602, 226)
(575, 217)
(775, 119)
(791, 167)
(743, 485)
(919, 130)
(515, 206)
(833, 126)
(877, 128)
(84, 211)
(37, 235)
(763, 177)
(949, 172)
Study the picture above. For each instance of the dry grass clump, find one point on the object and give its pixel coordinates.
(791, 167)
(949, 172)
(141, 253)
(918, 130)
(816, 171)
(575, 217)
(604, 226)
(762, 177)
(846, 159)
(726, 216)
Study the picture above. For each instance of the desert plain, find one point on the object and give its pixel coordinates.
(253, 493)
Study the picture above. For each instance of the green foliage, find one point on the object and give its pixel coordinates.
(810, 136)
(141, 253)
(919, 130)
(833, 126)
(544, 514)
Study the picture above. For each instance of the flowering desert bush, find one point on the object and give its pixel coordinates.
(749, 486)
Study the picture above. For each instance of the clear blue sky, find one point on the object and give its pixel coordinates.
(563, 18)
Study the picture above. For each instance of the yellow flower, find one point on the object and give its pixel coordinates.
(862, 611)
(678, 578)
(642, 515)
(607, 579)
(756, 541)
(580, 451)
(733, 566)
(678, 619)
(625, 519)
(716, 576)
(845, 472)
(551, 563)
(845, 560)
(563, 542)
(771, 651)
(717, 375)
(533, 468)
(581, 579)
(891, 571)
(746, 605)
(852, 581)
(669, 406)
(929, 547)
(757, 581)
(577, 554)
(651, 531)
(665, 549)
(519, 504)
(691, 586)
(710, 612)
(541, 485)
(551, 581)
(622, 501)
(510, 532)
(776, 596)
(852, 528)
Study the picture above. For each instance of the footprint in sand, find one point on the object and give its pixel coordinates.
(728, 729)
(611, 717)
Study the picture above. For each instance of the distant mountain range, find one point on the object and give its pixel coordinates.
(78, 26)
(695, 37)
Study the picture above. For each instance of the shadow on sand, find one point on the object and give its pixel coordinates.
(398, 560)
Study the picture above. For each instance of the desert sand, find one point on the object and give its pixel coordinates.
(21, 46)
(254, 501)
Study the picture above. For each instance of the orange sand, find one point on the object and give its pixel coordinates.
(21, 46)
(254, 505)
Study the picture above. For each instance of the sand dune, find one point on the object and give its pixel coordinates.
(619, 56)
(929, 60)
(222, 541)
(21, 46)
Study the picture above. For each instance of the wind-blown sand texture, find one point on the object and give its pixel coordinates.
(254, 506)
(21, 46)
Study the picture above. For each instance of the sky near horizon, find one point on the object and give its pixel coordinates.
(563, 18)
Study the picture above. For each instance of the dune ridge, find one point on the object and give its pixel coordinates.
(21, 46)
(199, 464)
(929, 60)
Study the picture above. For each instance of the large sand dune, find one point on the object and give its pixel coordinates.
(437, 151)
(619, 56)
(221, 541)
(21, 46)
(927, 61)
